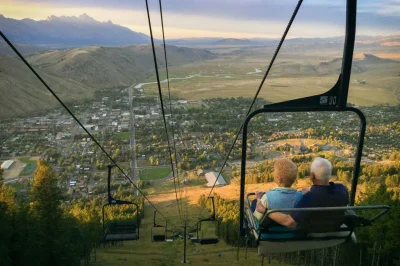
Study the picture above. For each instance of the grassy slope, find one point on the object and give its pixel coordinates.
(293, 76)
(23, 93)
(74, 74)
(144, 252)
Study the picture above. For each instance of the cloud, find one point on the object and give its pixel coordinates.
(212, 17)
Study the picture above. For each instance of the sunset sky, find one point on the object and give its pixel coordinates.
(218, 18)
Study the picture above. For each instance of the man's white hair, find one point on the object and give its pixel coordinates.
(322, 168)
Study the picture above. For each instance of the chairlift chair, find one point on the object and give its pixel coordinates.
(119, 231)
(334, 226)
(170, 234)
(317, 234)
(207, 240)
(157, 237)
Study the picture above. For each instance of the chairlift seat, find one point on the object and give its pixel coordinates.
(121, 237)
(334, 226)
(159, 238)
(194, 240)
(288, 242)
(208, 241)
(120, 232)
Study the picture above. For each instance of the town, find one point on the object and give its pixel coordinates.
(129, 125)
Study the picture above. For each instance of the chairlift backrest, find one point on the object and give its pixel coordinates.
(339, 220)
(119, 231)
(212, 219)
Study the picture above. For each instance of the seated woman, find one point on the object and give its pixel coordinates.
(283, 196)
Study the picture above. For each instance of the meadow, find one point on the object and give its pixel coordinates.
(154, 173)
(295, 74)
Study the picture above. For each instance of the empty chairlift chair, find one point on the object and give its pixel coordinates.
(120, 230)
(207, 240)
(156, 234)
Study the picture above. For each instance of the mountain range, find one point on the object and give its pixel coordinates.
(83, 30)
(69, 32)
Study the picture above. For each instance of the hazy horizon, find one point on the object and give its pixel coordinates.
(235, 19)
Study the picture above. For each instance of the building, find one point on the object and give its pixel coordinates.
(200, 172)
(212, 177)
(6, 164)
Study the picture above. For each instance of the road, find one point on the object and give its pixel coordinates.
(395, 95)
(132, 143)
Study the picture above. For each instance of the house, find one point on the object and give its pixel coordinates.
(6, 164)
(212, 179)
(200, 172)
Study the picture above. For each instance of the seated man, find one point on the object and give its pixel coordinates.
(322, 194)
(283, 196)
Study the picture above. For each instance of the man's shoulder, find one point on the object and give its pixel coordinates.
(339, 186)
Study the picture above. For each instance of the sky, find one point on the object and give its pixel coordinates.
(221, 18)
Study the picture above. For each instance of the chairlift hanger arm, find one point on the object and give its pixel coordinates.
(110, 199)
(336, 97)
(154, 221)
(212, 216)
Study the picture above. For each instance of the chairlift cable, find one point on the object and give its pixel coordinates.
(170, 102)
(75, 118)
(162, 105)
(258, 90)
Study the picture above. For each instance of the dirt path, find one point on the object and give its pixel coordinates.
(231, 191)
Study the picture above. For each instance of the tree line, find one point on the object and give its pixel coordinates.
(44, 228)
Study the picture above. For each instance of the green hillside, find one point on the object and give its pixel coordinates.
(75, 74)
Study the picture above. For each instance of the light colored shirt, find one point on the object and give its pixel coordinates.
(278, 198)
(264, 202)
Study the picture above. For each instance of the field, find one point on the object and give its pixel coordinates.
(28, 169)
(23, 166)
(154, 173)
(293, 75)
(30, 166)
(122, 135)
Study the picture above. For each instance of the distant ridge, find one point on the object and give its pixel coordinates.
(233, 41)
(69, 32)
(375, 59)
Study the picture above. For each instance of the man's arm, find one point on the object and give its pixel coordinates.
(283, 219)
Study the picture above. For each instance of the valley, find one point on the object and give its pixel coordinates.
(75, 74)
(163, 152)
